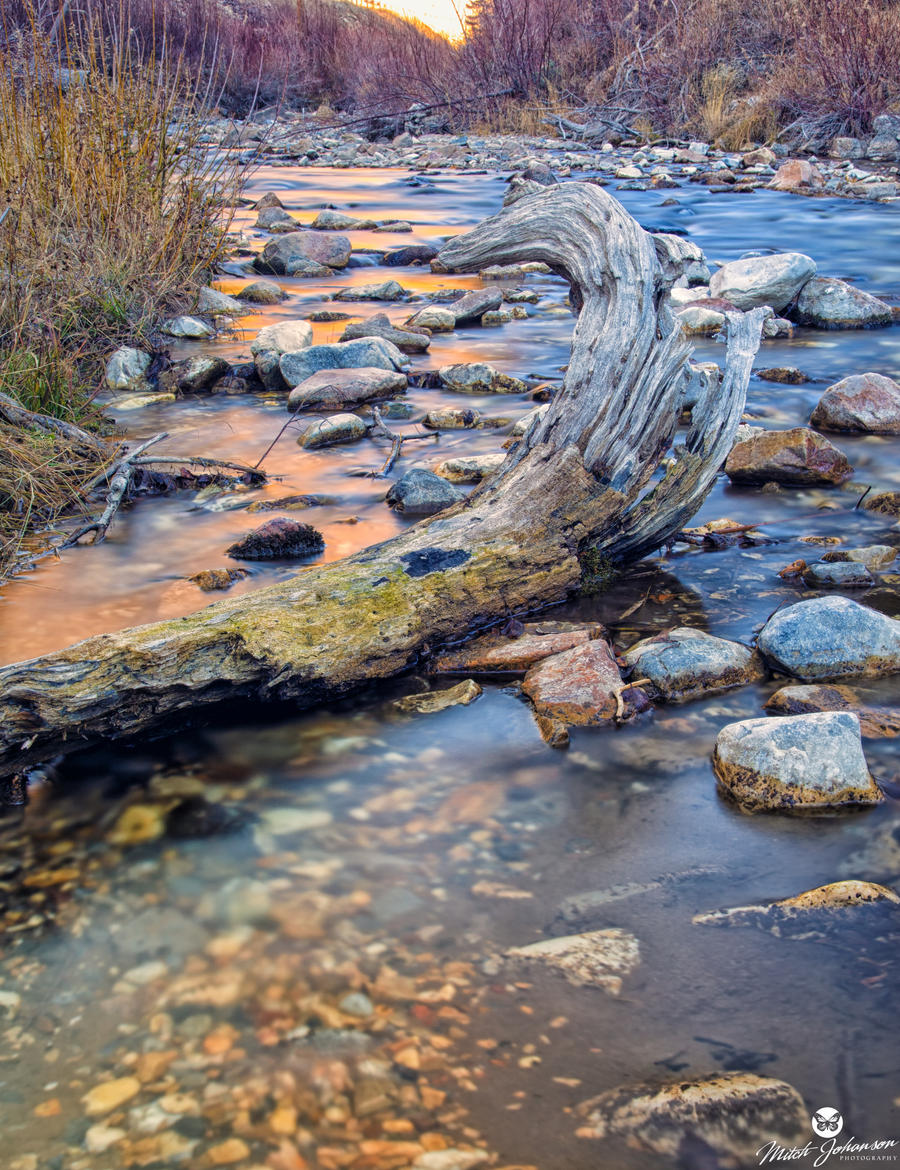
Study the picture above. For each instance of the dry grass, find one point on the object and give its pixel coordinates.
(110, 218)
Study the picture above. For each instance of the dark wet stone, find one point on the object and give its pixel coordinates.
(196, 817)
(280, 537)
(414, 254)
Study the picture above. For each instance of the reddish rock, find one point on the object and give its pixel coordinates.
(863, 402)
(577, 687)
(796, 456)
(281, 538)
(496, 653)
(797, 175)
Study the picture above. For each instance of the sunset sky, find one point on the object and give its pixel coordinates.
(438, 14)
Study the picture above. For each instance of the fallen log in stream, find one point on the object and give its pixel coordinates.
(575, 493)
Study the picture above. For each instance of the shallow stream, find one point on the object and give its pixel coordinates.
(357, 850)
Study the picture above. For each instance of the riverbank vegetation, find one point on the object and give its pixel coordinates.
(111, 214)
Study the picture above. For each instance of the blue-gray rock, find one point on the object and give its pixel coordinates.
(472, 306)
(799, 762)
(184, 326)
(388, 290)
(763, 280)
(685, 662)
(837, 575)
(422, 493)
(216, 303)
(831, 637)
(828, 303)
(341, 355)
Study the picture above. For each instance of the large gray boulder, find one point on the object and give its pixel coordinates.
(685, 662)
(346, 387)
(862, 402)
(763, 280)
(320, 249)
(831, 637)
(800, 762)
(828, 303)
(340, 355)
(422, 493)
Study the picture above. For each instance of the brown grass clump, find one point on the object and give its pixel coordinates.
(111, 215)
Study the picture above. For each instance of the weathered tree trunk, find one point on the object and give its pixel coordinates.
(577, 483)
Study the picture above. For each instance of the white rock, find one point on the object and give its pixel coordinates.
(763, 280)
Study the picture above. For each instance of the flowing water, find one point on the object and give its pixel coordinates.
(272, 862)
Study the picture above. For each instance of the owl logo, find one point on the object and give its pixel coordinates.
(827, 1122)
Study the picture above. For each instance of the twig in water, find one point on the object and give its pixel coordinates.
(277, 437)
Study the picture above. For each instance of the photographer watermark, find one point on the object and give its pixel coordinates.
(828, 1123)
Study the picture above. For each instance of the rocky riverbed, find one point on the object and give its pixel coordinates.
(461, 921)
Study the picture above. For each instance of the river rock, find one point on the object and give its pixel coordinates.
(346, 387)
(407, 340)
(862, 402)
(451, 418)
(798, 763)
(334, 429)
(874, 722)
(275, 219)
(829, 638)
(701, 321)
(578, 687)
(837, 575)
(315, 248)
(797, 175)
(732, 1115)
(499, 653)
(432, 701)
(282, 337)
(784, 375)
(420, 492)
(329, 220)
(763, 280)
(263, 292)
(686, 662)
(828, 303)
(388, 290)
(597, 958)
(814, 912)
(194, 375)
(479, 378)
(127, 369)
(470, 468)
(873, 556)
(189, 327)
(211, 580)
(280, 538)
(797, 456)
(269, 199)
(451, 1159)
(412, 254)
(216, 303)
(434, 318)
(472, 306)
(109, 1095)
(887, 503)
(341, 355)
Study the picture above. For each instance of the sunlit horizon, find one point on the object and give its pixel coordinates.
(444, 16)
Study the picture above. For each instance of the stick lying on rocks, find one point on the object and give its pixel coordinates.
(121, 473)
(573, 498)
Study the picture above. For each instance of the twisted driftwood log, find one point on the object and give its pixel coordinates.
(577, 484)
